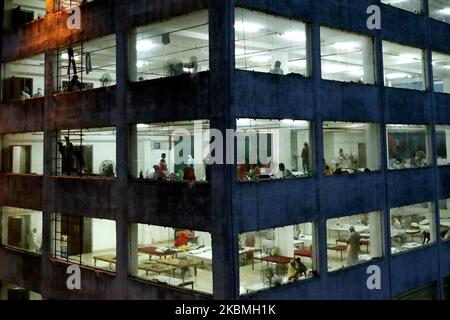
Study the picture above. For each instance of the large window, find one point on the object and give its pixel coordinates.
(85, 152)
(270, 44)
(22, 229)
(346, 56)
(172, 151)
(174, 257)
(87, 65)
(354, 239)
(18, 12)
(408, 146)
(412, 227)
(10, 291)
(403, 66)
(23, 153)
(177, 46)
(444, 214)
(414, 6)
(274, 257)
(23, 79)
(85, 241)
(350, 147)
(272, 149)
(441, 72)
(440, 10)
(443, 145)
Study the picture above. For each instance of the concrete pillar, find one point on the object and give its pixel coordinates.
(133, 57)
(372, 146)
(284, 238)
(368, 61)
(375, 222)
(133, 249)
(224, 233)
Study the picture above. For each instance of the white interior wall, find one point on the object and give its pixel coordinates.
(104, 148)
(103, 234)
(36, 141)
(348, 141)
(35, 222)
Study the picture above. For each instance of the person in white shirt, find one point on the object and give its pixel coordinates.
(33, 243)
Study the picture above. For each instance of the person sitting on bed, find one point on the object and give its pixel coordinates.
(181, 241)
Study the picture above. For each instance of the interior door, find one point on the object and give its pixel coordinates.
(15, 231)
(73, 228)
(20, 159)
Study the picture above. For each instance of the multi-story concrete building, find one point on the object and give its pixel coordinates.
(343, 148)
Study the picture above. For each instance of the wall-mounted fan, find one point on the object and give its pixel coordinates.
(105, 80)
(107, 169)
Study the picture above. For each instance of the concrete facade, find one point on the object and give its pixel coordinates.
(224, 207)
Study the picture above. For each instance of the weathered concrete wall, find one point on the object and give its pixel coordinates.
(22, 116)
(169, 99)
(87, 196)
(85, 109)
(22, 191)
(21, 268)
(175, 204)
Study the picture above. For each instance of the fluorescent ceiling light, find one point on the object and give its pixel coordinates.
(299, 36)
(294, 123)
(141, 64)
(65, 56)
(350, 45)
(247, 26)
(396, 75)
(407, 57)
(445, 11)
(144, 45)
(142, 126)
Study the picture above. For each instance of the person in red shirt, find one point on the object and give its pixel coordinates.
(189, 174)
(181, 240)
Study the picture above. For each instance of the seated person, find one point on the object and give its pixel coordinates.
(182, 240)
(301, 267)
(188, 173)
(158, 174)
(255, 172)
(327, 171)
(284, 173)
(292, 271)
(242, 173)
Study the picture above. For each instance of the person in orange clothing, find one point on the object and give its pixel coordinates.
(181, 240)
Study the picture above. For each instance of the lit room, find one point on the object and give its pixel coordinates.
(66, 4)
(85, 241)
(87, 65)
(414, 6)
(443, 145)
(170, 256)
(440, 10)
(350, 147)
(444, 215)
(170, 48)
(346, 56)
(85, 152)
(270, 44)
(441, 72)
(22, 229)
(408, 146)
(19, 12)
(275, 257)
(273, 149)
(23, 79)
(172, 151)
(403, 66)
(355, 239)
(412, 227)
(23, 153)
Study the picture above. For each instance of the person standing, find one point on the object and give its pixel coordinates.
(354, 247)
(305, 158)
